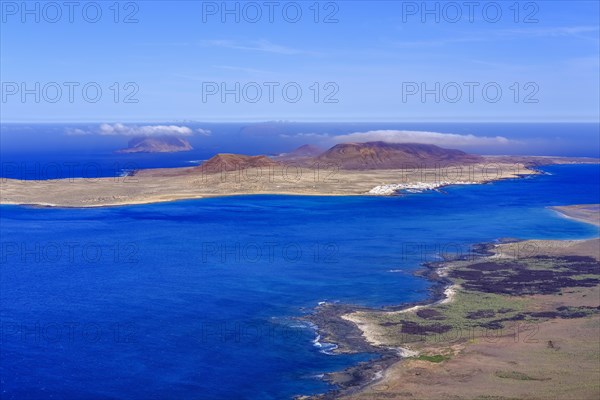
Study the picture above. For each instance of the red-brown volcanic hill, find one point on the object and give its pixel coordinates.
(233, 162)
(383, 155)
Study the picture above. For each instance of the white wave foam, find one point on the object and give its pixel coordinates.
(325, 348)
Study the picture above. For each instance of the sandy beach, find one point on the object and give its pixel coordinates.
(589, 213)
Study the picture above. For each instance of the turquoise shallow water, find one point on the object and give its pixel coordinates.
(196, 299)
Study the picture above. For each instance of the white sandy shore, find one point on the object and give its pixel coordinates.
(588, 213)
(370, 330)
(416, 187)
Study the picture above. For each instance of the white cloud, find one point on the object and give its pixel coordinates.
(573, 31)
(146, 130)
(119, 129)
(437, 138)
(255, 45)
(203, 132)
(76, 132)
(581, 32)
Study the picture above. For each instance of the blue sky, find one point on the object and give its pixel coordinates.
(370, 61)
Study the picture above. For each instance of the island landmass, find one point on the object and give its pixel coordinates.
(160, 144)
(351, 169)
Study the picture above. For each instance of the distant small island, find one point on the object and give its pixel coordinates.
(159, 144)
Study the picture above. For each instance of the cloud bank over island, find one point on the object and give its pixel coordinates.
(119, 129)
(146, 130)
(424, 137)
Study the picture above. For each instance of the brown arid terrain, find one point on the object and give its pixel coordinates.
(333, 173)
(520, 321)
(556, 359)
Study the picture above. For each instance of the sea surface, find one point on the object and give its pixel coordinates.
(198, 299)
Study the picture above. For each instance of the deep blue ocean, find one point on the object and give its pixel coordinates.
(198, 299)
